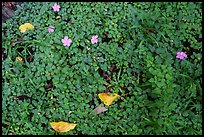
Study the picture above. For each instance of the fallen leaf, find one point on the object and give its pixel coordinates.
(99, 110)
(19, 59)
(58, 17)
(62, 126)
(107, 99)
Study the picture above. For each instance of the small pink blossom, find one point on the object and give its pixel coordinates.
(181, 55)
(51, 29)
(66, 41)
(94, 39)
(56, 7)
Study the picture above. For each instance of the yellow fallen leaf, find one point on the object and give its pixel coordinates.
(22, 28)
(58, 17)
(106, 98)
(25, 26)
(19, 59)
(29, 26)
(62, 126)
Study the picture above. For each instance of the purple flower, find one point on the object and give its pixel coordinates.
(66, 41)
(181, 55)
(51, 29)
(94, 39)
(56, 7)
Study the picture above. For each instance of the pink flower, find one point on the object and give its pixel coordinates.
(51, 29)
(56, 7)
(181, 55)
(94, 39)
(66, 41)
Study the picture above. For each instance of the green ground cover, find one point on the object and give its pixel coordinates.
(134, 56)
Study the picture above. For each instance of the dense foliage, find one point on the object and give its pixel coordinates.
(135, 57)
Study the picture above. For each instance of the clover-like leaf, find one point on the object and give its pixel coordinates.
(62, 126)
(107, 99)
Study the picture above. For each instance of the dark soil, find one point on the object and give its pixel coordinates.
(8, 9)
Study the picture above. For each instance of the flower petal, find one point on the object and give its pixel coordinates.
(181, 57)
(69, 41)
(63, 41)
(56, 7)
(66, 38)
(94, 39)
(177, 56)
(178, 53)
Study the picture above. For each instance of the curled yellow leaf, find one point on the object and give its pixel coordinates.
(107, 99)
(29, 26)
(22, 28)
(58, 17)
(19, 59)
(62, 126)
(25, 26)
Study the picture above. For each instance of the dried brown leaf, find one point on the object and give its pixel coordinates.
(99, 110)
